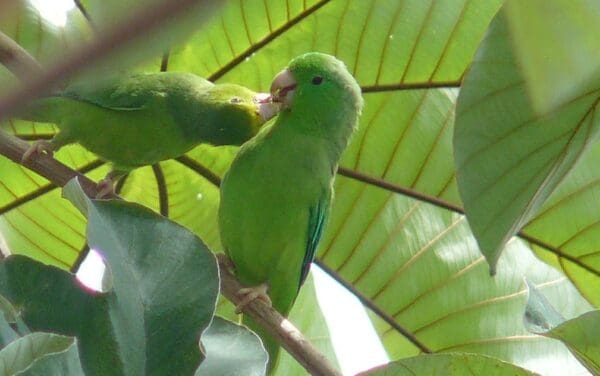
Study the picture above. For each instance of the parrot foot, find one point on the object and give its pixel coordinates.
(106, 187)
(249, 294)
(37, 148)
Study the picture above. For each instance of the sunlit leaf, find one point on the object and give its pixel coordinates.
(556, 46)
(569, 222)
(509, 158)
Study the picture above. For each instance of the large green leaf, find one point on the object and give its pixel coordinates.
(383, 42)
(509, 158)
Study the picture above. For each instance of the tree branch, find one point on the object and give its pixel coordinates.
(48, 167)
(278, 326)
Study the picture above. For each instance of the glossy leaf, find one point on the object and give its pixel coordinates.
(232, 350)
(163, 277)
(581, 334)
(509, 158)
(41, 354)
(449, 365)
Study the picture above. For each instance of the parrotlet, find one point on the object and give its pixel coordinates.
(276, 196)
(139, 119)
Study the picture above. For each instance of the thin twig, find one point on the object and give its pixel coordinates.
(16, 59)
(163, 194)
(85, 14)
(411, 86)
(278, 326)
(164, 61)
(48, 167)
(199, 169)
(381, 183)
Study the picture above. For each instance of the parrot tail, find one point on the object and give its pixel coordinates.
(271, 345)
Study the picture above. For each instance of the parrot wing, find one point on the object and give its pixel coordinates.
(133, 92)
(316, 223)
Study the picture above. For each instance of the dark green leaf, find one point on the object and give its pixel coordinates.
(41, 354)
(232, 350)
(165, 283)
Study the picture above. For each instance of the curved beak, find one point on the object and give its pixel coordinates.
(266, 107)
(282, 88)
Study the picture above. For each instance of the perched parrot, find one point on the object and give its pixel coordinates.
(275, 198)
(143, 118)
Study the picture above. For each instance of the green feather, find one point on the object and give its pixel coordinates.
(316, 224)
(275, 197)
(141, 119)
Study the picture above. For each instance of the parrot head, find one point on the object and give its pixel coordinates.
(317, 78)
(240, 111)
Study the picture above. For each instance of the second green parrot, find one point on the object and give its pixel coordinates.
(275, 198)
(140, 119)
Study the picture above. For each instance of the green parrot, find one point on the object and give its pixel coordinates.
(143, 118)
(275, 198)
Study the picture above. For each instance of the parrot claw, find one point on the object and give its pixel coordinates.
(249, 294)
(38, 147)
(105, 188)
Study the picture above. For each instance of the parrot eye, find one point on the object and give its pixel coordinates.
(235, 100)
(316, 80)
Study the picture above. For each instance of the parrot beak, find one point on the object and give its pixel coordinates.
(263, 98)
(282, 88)
(266, 107)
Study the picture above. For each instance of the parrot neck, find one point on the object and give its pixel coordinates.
(334, 129)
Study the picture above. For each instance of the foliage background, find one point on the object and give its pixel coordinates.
(399, 241)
